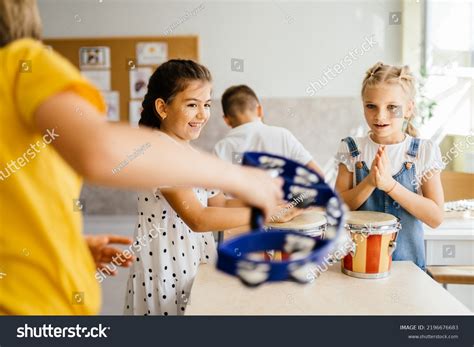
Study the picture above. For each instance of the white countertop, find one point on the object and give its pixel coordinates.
(456, 226)
(407, 291)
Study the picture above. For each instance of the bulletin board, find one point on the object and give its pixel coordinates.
(123, 58)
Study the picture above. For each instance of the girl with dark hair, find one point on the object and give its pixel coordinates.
(177, 223)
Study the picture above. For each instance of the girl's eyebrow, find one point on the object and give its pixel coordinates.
(389, 102)
(193, 99)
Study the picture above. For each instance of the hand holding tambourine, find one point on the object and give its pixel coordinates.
(303, 187)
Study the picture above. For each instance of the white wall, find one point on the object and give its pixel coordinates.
(285, 45)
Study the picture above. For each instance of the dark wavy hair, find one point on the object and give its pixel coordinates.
(168, 80)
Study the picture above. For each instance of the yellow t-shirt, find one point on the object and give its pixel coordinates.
(45, 264)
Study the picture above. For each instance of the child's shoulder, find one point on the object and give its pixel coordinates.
(424, 145)
(355, 138)
(222, 142)
(275, 128)
(358, 141)
(361, 141)
(280, 132)
(424, 142)
(429, 152)
(25, 46)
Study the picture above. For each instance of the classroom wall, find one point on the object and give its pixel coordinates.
(305, 60)
(285, 45)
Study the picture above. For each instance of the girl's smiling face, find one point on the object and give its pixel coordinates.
(188, 112)
(386, 105)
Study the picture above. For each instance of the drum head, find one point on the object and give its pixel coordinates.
(370, 218)
(305, 221)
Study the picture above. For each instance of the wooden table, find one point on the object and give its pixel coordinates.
(452, 274)
(407, 291)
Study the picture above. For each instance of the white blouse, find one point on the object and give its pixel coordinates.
(428, 158)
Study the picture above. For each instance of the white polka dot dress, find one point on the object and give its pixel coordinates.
(168, 254)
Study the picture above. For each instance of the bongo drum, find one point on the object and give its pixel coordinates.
(309, 223)
(374, 237)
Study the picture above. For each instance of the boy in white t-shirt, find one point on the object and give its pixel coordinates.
(244, 113)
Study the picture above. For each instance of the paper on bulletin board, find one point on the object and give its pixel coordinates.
(152, 53)
(134, 112)
(94, 57)
(138, 82)
(99, 78)
(112, 99)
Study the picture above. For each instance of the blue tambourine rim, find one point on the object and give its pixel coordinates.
(234, 251)
(251, 159)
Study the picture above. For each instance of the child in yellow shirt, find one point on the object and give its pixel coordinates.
(53, 133)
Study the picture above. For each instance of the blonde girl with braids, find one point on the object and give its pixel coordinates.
(391, 170)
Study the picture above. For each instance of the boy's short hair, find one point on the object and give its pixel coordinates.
(238, 99)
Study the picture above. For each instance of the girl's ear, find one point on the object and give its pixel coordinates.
(160, 106)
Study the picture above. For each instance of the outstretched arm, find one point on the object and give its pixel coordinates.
(94, 147)
(200, 218)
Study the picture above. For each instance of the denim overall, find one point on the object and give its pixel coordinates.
(410, 243)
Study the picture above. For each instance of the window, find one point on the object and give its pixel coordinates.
(449, 67)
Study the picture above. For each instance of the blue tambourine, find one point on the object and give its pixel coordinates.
(305, 188)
